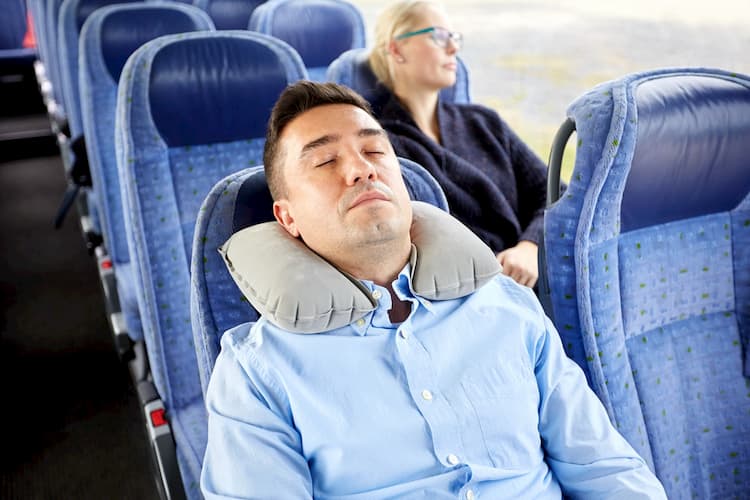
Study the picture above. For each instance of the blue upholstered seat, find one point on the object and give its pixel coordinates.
(108, 37)
(12, 31)
(191, 109)
(238, 201)
(37, 9)
(73, 14)
(648, 263)
(353, 70)
(319, 30)
(229, 14)
(52, 63)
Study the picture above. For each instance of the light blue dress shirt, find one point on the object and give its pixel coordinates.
(468, 398)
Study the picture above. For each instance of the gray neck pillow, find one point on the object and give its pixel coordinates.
(299, 291)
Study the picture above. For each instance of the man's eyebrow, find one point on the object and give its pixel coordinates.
(369, 132)
(320, 141)
(329, 138)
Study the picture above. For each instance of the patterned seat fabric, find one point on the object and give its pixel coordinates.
(238, 201)
(353, 70)
(73, 13)
(648, 258)
(191, 109)
(108, 37)
(319, 30)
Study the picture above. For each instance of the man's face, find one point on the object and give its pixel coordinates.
(343, 183)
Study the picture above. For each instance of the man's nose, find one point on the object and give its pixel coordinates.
(359, 169)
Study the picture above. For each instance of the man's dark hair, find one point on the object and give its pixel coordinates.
(295, 100)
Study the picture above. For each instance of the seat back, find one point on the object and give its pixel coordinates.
(14, 57)
(648, 259)
(73, 14)
(319, 30)
(352, 69)
(108, 37)
(38, 15)
(52, 64)
(236, 202)
(229, 14)
(12, 24)
(191, 109)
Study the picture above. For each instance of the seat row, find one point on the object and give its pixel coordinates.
(199, 111)
(646, 265)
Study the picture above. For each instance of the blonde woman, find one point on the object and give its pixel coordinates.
(494, 183)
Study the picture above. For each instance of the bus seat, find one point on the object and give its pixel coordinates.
(191, 108)
(229, 14)
(108, 37)
(353, 70)
(73, 13)
(236, 202)
(648, 269)
(52, 65)
(37, 8)
(319, 30)
(13, 55)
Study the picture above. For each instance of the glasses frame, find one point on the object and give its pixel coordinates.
(454, 36)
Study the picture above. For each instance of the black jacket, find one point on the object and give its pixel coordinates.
(493, 182)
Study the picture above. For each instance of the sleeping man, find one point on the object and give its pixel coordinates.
(421, 372)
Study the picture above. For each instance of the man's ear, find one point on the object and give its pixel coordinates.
(282, 212)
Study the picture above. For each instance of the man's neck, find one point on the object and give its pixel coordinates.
(377, 263)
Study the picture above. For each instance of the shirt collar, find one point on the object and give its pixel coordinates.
(403, 289)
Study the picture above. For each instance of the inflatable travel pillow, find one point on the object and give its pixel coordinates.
(299, 291)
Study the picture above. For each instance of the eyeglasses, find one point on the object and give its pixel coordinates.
(439, 35)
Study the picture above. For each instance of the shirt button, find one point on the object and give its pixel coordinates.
(426, 395)
(403, 334)
(469, 495)
(361, 322)
(376, 295)
(452, 459)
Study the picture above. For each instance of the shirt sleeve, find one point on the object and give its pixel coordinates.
(253, 449)
(585, 452)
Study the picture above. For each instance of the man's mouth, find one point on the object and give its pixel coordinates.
(369, 196)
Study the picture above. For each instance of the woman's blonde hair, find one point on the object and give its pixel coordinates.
(399, 17)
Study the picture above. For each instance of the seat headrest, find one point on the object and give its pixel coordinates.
(352, 68)
(230, 14)
(690, 155)
(86, 7)
(220, 87)
(126, 29)
(319, 30)
(275, 272)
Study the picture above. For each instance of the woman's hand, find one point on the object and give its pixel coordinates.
(521, 263)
